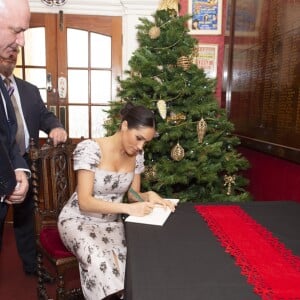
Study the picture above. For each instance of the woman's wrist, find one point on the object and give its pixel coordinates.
(146, 196)
(125, 208)
(136, 196)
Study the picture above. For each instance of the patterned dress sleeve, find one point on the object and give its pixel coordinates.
(86, 156)
(139, 164)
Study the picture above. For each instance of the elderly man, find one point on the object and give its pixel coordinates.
(14, 20)
(33, 117)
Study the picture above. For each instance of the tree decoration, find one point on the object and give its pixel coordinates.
(135, 74)
(157, 79)
(229, 181)
(154, 32)
(176, 118)
(169, 4)
(162, 108)
(177, 153)
(108, 122)
(150, 172)
(184, 62)
(201, 129)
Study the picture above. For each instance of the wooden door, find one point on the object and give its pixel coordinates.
(74, 60)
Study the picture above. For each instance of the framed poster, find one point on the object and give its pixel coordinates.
(206, 17)
(207, 59)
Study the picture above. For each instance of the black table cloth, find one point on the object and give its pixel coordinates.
(183, 260)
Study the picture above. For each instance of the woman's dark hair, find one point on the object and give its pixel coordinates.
(137, 116)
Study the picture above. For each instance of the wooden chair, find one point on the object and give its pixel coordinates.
(53, 182)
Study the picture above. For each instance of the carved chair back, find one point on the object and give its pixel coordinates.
(53, 180)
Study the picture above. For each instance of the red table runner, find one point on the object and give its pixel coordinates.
(269, 266)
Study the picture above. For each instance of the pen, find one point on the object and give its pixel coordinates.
(136, 195)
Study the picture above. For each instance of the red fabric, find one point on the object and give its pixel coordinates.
(50, 240)
(269, 266)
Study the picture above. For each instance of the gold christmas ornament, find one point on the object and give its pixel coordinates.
(184, 62)
(169, 4)
(150, 172)
(162, 108)
(135, 74)
(229, 181)
(154, 32)
(177, 153)
(201, 129)
(108, 122)
(176, 118)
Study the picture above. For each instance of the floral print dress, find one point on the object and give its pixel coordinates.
(97, 240)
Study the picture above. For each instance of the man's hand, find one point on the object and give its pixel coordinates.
(20, 190)
(59, 135)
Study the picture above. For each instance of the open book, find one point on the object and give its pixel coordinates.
(157, 217)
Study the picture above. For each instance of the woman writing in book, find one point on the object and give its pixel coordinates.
(89, 224)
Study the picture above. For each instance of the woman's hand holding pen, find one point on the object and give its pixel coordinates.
(154, 198)
(140, 209)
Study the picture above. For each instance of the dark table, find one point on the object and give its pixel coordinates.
(183, 260)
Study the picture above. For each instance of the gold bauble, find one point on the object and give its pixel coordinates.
(150, 172)
(162, 108)
(135, 74)
(201, 130)
(177, 153)
(184, 62)
(154, 32)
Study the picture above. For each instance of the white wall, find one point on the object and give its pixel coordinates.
(130, 10)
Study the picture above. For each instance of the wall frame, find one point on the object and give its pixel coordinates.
(206, 17)
(207, 59)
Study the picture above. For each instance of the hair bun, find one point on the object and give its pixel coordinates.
(125, 110)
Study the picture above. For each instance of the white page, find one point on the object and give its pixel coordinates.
(157, 217)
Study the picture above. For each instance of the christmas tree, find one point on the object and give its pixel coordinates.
(193, 157)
